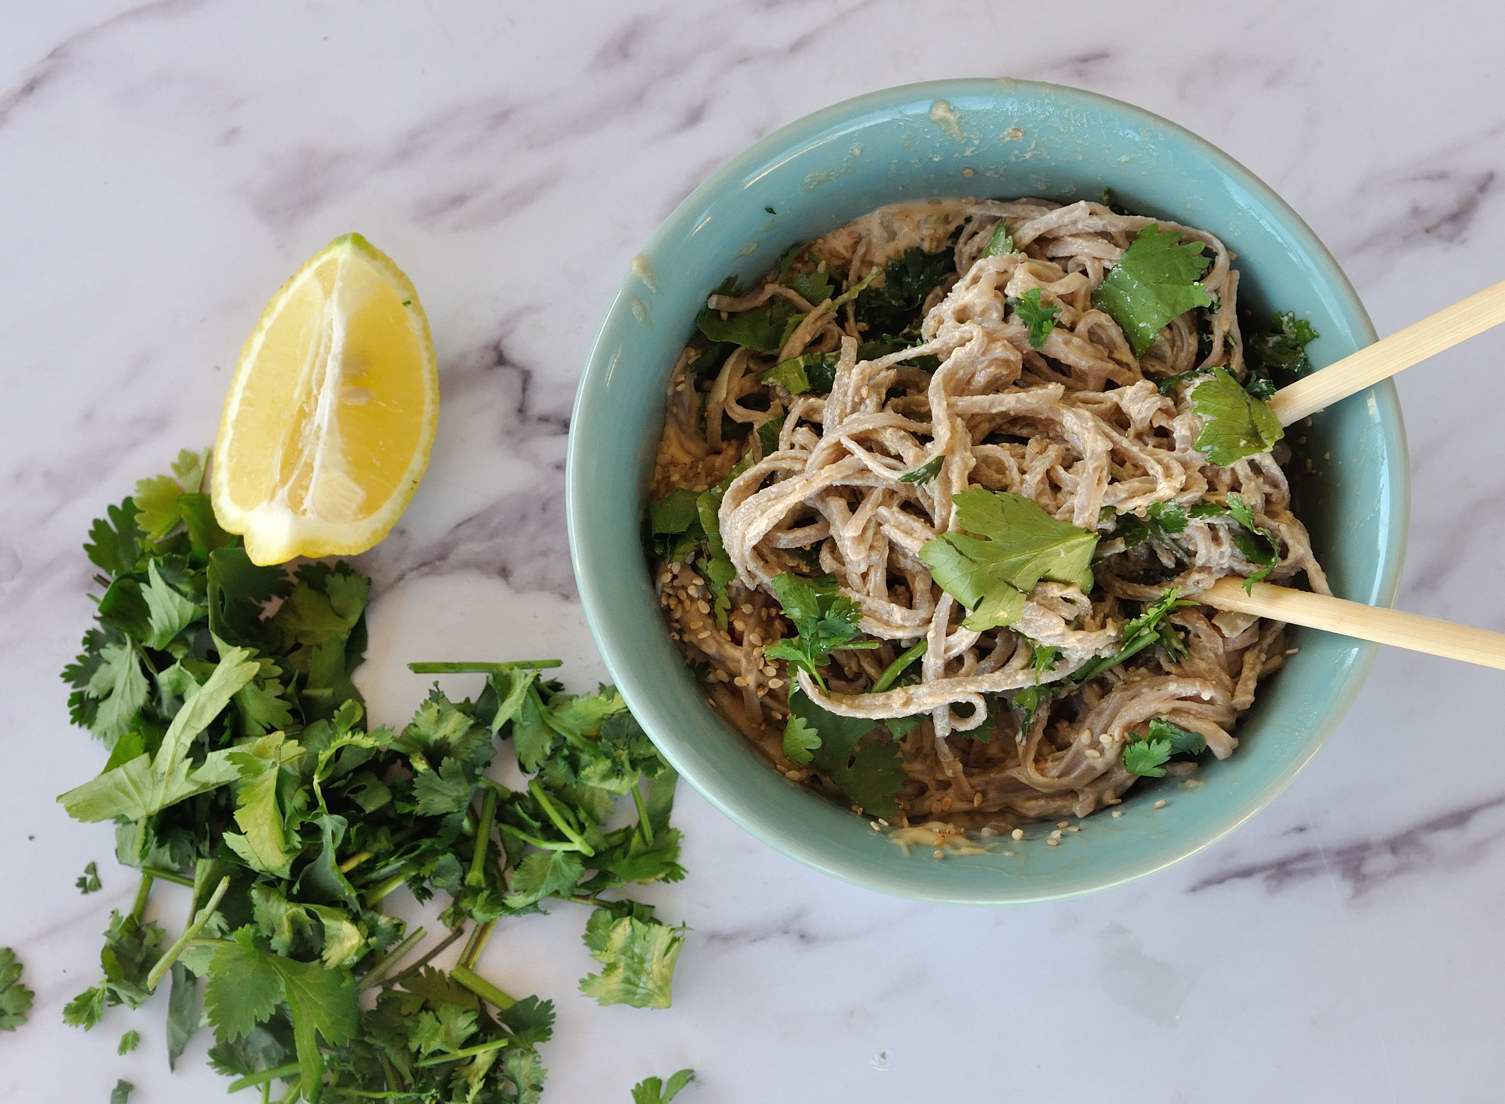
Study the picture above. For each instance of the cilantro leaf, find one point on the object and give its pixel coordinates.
(824, 619)
(145, 785)
(115, 539)
(654, 1090)
(1161, 521)
(128, 1042)
(88, 882)
(855, 754)
(119, 687)
(1039, 317)
(800, 739)
(544, 874)
(925, 472)
(674, 513)
(1278, 350)
(761, 329)
(895, 305)
(15, 998)
(1154, 282)
(247, 985)
(806, 372)
(261, 764)
(1237, 424)
(1183, 741)
(157, 497)
(1255, 543)
(1161, 741)
(1146, 758)
(1000, 241)
(815, 287)
(1016, 544)
(121, 1093)
(637, 958)
(185, 1011)
(168, 612)
(1147, 630)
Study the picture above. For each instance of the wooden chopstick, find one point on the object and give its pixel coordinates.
(1390, 355)
(1382, 626)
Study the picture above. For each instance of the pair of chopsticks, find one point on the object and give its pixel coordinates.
(1321, 389)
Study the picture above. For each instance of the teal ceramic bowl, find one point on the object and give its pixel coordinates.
(980, 138)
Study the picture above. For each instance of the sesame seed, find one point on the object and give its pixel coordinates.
(775, 684)
(1116, 813)
(987, 832)
(1162, 803)
(1056, 835)
(1052, 843)
(703, 607)
(739, 681)
(1017, 833)
(937, 854)
(1063, 824)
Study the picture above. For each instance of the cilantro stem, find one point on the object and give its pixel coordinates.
(428, 956)
(164, 875)
(476, 944)
(143, 894)
(382, 888)
(197, 925)
(560, 818)
(892, 672)
(457, 1055)
(354, 861)
(262, 1077)
(391, 958)
(464, 975)
(463, 667)
(644, 824)
(476, 876)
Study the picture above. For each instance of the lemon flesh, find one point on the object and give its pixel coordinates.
(331, 415)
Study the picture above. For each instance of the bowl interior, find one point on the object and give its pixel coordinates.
(980, 138)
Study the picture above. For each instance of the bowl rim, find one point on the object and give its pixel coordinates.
(600, 361)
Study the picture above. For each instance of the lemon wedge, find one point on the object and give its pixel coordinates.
(331, 415)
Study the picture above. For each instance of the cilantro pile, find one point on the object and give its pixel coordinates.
(240, 766)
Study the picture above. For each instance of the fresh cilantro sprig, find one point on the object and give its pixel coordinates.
(825, 620)
(1162, 740)
(1000, 241)
(1004, 545)
(1161, 521)
(1154, 282)
(1039, 317)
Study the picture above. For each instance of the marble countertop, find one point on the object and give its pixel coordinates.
(164, 167)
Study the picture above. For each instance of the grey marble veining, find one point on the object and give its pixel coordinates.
(164, 166)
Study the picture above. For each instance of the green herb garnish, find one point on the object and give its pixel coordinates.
(1238, 425)
(824, 619)
(15, 998)
(1154, 282)
(653, 1090)
(925, 472)
(1005, 544)
(1039, 317)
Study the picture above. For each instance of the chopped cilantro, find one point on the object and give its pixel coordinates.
(894, 306)
(653, 1090)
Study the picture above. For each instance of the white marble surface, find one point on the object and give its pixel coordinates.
(163, 167)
